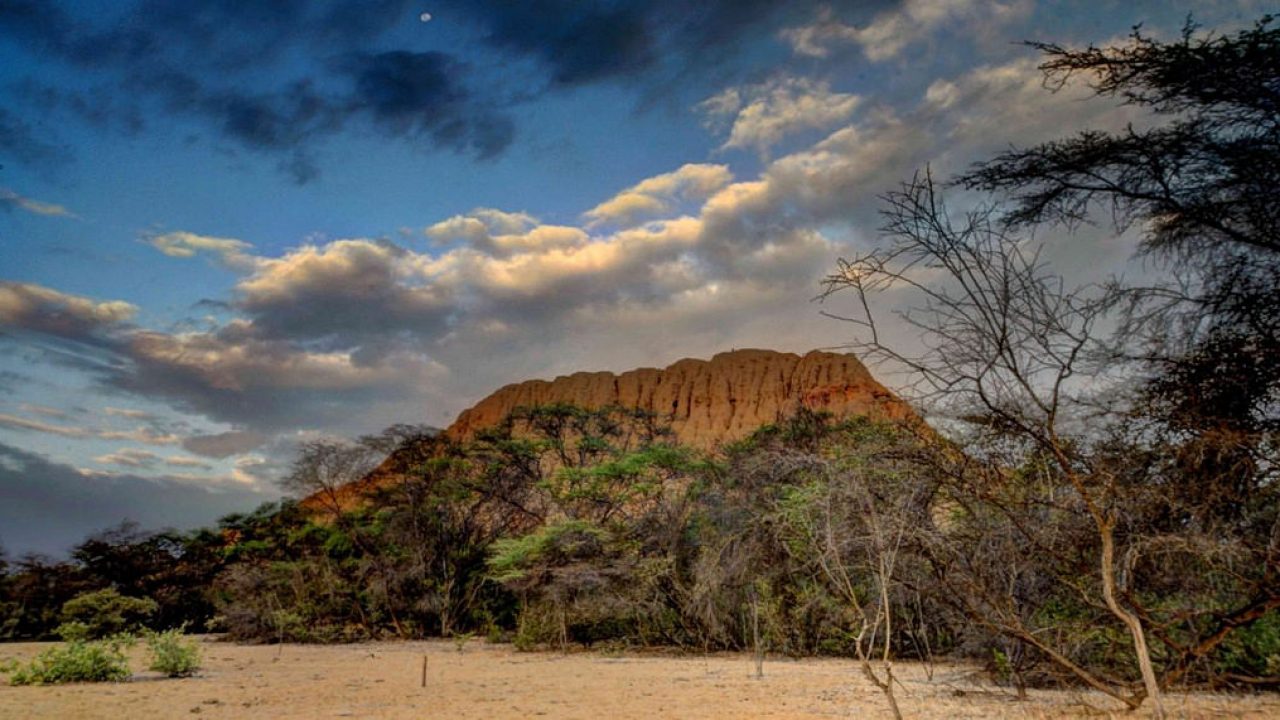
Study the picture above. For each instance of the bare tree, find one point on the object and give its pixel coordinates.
(836, 543)
(1007, 349)
(324, 471)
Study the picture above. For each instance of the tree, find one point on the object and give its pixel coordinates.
(325, 472)
(1005, 340)
(1203, 188)
(1176, 468)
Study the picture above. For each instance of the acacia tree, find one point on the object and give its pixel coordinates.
(1201, 185)
(1004, 341)
(1179, 467)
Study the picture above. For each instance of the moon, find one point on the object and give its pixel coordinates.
(425, 17)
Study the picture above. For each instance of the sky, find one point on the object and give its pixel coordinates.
(227, 227)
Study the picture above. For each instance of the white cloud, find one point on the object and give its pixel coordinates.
(817, 38)
(142, 435)
(890, 32)
(233, 253)
(129, 457)
(249, 470)
(478, 227)
(14, 422)
(343, 334)
(9, 198)
(44, 410)
(657, 194)
(184, 461)
(760, 115)
(128, 413)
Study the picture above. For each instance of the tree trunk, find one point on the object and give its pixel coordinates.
(1106, 528)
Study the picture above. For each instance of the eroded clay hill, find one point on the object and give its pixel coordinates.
(707, 402)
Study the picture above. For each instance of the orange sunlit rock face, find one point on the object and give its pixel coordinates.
(707, 402)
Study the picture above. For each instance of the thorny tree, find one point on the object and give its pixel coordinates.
(1004, 341)
(1178, 468)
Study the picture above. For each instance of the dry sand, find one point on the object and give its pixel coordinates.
(383, 680)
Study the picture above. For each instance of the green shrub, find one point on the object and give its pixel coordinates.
(76, 661)
(106, 612)
(172, 653)
(73, 630)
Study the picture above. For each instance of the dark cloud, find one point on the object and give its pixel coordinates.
(581, 43)
(50, 506)
(237, 374)
(19, 142)
(408, 93)
(232, 65)
(39, 309)
(211, 305)
(226, 65)
(10, 381)
(223, 445)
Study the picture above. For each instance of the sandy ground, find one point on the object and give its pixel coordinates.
(383, 680)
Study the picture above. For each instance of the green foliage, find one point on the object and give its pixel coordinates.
(172, 653)
(513, 558)
(1254, 650)
(75, 661)
(73, 630)
(106, 612)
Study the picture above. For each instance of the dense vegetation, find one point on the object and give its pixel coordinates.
(1104, 509)
(567, 526)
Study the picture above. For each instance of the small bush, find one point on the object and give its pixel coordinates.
(73, 630)
(107, 612)
(173, 654)
(75, 661)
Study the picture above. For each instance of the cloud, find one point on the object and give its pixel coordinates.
(251, 470)
(629, 41)
(233, 253)
(817, 38)
(44, 410)
(223, 445)
(128, 413)
(37, 308)
(413, 334)
(50, 506)
(10, 199)
(655, 195)
(238, 373)
(146, 435)
(228, 65)
(129, 457)
(347, 290)
(141, 434)
(761, 115)
(577, 42)
(890, 32)
(190, 462)
(416, 95)
(19, 142)
(503, 233)
(14, 422)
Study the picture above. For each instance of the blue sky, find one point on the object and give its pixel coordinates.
(228, 226)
